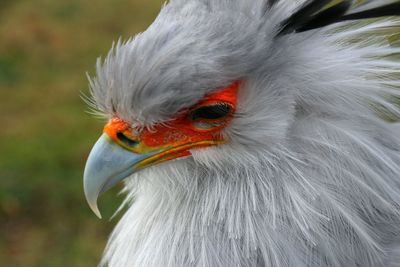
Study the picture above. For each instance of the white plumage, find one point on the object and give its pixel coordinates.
(310, 175)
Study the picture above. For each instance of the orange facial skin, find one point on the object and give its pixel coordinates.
(175, 139)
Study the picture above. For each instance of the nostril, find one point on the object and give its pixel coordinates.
(126, 140)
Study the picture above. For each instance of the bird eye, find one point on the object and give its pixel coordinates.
(126, 141)
(212, 112)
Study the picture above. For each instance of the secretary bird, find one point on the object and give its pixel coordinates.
(278, 113)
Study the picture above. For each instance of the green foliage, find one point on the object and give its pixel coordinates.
(46, 47)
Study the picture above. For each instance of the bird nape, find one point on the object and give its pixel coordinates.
(250, 133)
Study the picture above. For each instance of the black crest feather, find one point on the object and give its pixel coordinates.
(315, 14)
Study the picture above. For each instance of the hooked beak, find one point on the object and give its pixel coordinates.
(118, 154)
(107, 165)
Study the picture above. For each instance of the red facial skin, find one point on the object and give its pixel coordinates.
(178, 136)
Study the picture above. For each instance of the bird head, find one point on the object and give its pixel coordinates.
(183, 86)
(216, 85)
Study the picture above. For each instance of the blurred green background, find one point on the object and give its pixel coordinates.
(46, 47)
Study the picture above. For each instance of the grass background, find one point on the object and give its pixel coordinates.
(46, 46)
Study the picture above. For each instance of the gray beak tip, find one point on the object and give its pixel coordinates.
(95, 209)
(92, 202)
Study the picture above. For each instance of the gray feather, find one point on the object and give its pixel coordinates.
(310, 176)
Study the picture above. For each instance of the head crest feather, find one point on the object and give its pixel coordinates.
(314, 14)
